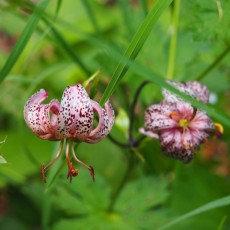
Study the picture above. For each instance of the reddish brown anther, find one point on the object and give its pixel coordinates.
(72, 172)
(43, 173)
(92, 174)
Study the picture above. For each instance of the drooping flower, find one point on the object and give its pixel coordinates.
(72, 119)
(179, 127)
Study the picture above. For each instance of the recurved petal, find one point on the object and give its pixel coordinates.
(200, 91)
(37, 115)
(193, 89)
(105, 123)
(157, 117)
(76, 114)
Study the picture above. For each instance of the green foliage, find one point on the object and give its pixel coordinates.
(54, 44)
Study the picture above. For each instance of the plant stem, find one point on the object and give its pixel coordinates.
(132, 109)
(214, 64)
(172, 48)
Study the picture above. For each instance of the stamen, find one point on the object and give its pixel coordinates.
(173, 115)
(72, 172)
(44, 169)
(219, 129)
(90, 168)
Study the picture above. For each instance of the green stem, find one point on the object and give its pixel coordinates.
(214, 64)
(172, 48)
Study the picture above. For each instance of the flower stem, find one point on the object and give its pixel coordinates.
(172, 48)
(132, 111)
(214, 64)
(131, 142)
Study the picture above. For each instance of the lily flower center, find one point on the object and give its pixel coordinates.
(184, 123)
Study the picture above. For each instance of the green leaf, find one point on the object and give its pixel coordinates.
(207, 207)
(135, 46)
(141, 195)
(24, 38)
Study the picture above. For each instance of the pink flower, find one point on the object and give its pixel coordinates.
(179, 127)
(72, 119)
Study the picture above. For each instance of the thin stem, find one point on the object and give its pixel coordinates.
(116, 142)
(131, 142)
(214, 64)
(132, 109)
(172, 49)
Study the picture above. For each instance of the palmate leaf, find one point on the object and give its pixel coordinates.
(24, 38)
(135, 46)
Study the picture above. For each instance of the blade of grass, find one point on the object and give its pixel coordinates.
(92, 16)
(135, 46)
(207, 207)
(146, 74)
(60, 39)
(24, 38)
(173, 41)
(58, 7)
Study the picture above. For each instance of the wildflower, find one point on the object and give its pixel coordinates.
(71, 120)
(179, 127)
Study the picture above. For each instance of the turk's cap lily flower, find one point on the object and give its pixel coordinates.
(192, 88)
(179, 127)
(71, 119)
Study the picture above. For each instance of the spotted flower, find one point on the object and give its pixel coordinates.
(179, 127)
(71, 120)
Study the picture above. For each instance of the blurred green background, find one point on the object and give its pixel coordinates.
(134, 188)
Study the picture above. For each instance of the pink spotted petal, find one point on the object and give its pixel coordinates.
(149, 133)
(200, 91)
(184, 110)
(157, 117)
(105, 123)
(37, 115)
(201, 121)
(193, 89)
(176, 145)
(76, 114)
